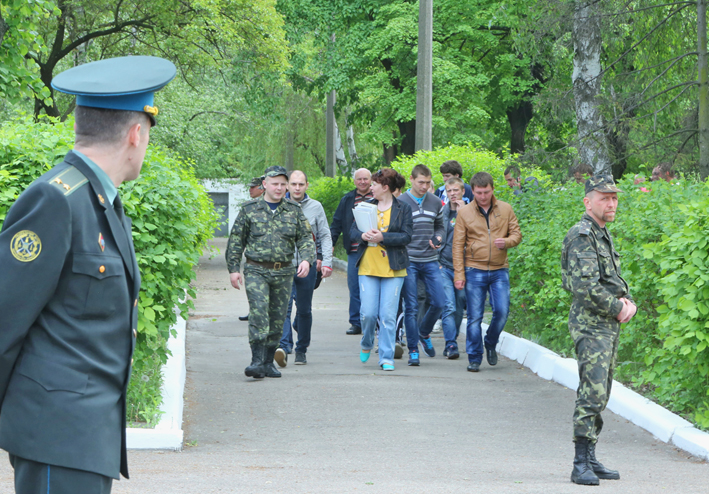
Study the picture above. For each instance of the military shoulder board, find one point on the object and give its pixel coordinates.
(69, 180)
(584, 228)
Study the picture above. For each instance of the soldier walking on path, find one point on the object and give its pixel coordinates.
(70, 282)
(590, 268)
(267, 231)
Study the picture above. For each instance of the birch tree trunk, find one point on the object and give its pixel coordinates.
(703, 89)
(340, 157)
(593, 145)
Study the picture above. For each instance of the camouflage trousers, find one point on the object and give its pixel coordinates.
(268, 291)
(596, 352)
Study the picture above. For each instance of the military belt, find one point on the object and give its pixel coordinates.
(268, 265)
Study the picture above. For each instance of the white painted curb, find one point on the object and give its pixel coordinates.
(167, 434)
(660, 422)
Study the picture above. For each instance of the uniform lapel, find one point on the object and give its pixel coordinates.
(118, 227)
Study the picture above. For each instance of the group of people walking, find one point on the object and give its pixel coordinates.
(454, 243)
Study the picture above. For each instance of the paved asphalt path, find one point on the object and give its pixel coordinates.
(336, 425)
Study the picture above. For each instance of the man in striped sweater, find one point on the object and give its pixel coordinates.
(429, 232)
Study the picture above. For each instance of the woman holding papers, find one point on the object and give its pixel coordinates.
(382, 262)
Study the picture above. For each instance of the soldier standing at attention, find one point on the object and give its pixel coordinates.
(590, 269)
(267, 231)
(70, 281)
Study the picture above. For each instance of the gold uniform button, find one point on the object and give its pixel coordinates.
(102, 269)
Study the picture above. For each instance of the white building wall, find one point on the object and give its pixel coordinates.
(238, 194)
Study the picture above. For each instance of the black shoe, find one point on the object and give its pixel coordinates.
(354, 330)
(398, 351)
(474, 367)
(597, 467)
(268, 366)
(256, 369)
(445, 352)
(582, 472)
(244, 318)
(491, 355)
(300, 359)
(451, 352)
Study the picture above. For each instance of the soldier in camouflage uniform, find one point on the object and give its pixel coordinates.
(267, 231)
(590, 268)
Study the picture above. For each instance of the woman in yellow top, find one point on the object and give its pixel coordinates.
(382, 267)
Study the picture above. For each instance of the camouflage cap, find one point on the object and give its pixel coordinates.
(274, 171)
(601, 183)
(256, 182)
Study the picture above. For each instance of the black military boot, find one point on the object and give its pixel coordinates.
(268, 366)
(598, 468)
(582, 472)
(257, 369)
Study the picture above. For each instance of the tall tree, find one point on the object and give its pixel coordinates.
(192, 33)
(592, 143)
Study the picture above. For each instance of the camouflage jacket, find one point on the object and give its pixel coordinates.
(266, 236)
(590, 269)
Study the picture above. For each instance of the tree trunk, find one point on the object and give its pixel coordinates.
(519, 117)
(331, 130)
(340, 157)
(703, 89)
(592, 142)
(407, 130)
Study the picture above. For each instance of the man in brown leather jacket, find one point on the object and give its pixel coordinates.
(484, 230)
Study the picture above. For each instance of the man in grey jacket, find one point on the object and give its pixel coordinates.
(429, 232)
(303, 288)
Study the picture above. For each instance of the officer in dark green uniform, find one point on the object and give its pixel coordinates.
(267, 231)
(70, 281)
(590, 268)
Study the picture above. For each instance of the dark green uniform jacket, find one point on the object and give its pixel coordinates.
(68, 314)
(263, 235)
(590, 269)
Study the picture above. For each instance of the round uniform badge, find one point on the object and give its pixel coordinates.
(25, 246)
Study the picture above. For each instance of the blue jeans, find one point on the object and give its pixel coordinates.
(455, 303)
(353, 285)
(302, 293)
(431, 275)
(380, 301)
(477, 284)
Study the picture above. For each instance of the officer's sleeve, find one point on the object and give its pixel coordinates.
(34, 244)
(583, 275)
(304, 239)
(237, 242)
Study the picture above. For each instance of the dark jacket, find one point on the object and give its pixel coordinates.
(65, 357)
(396, 238)
(342, 221)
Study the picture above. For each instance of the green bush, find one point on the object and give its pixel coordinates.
(173, 218)
(661, 235)
(471, 159)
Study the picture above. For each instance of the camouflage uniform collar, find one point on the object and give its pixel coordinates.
(595, 226)
(261, 202)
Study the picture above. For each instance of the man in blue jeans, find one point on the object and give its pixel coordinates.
(427, 212)
(341, 223)
(303, 288)
(484, 230)
(455, 299)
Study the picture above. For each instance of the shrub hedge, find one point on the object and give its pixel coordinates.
(173, 218)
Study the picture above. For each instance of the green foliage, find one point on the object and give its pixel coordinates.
(19, 77)
(173, 218)
(661, 234)
(472, 160)
(329, 191)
